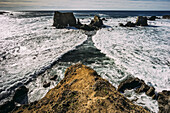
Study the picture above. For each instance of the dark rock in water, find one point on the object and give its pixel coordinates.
(143, 88)
(151, 91)
(45, 85)
(121, 24)
(130, 24)
(164, 101)
(21, 94)
(53, 77)
(97, 22)
(130, 83)
(88, 27)
(152, 18)
(141, 21)
(104, 19)
(166, 17)
(7, 107)
(1, 13)
(62, 20)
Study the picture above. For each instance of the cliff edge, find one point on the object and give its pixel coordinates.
(82, 91)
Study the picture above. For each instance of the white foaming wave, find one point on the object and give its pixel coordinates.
(142, 52)
(28, 49)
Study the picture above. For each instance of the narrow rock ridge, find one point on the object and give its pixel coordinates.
(82, 91)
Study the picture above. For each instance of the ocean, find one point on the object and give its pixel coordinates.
(32, 50)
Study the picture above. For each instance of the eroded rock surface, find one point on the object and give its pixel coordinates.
(82, 91)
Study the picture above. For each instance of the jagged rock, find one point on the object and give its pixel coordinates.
(166, 17)
(152, 18)
(143, 88)
(130, 83)
(141, 21)
(164, 101)
(62, 20)
(80, 91)
(121, 24)
(97, 22)
(45, 85)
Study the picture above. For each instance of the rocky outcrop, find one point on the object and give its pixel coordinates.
(163, 97)
(138, 85)
(141, 21)
(164, 101)
(95, 24)
(166, 17)
(82, 91)
(62, 20)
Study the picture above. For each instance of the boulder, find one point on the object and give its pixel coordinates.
(45, 85)
(164, 101)
(80, 91)
(141, 21)
(166, 17)
(62, 20)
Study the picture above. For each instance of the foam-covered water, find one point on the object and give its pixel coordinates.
(32, 51)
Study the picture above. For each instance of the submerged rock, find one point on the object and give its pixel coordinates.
(62, 20)
(166, 17)
(82, 90)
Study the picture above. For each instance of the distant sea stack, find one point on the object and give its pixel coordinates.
(62, 20)
(82, 91)
(166, 17)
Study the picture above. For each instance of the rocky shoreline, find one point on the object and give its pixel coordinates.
(83, 90)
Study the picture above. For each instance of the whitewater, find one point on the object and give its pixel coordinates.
(31, 51)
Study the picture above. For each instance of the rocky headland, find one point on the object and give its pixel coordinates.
(82, 90)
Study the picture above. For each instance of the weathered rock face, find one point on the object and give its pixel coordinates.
(164, 101)
(82, 91)
(141, 21)
(166, 17)
(62, 20)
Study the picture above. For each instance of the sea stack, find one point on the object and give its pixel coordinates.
(82, 91)
(62, 20)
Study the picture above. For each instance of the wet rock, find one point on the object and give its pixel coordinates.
(104, 19)
(62, 20)
(20, 95)
(153, 18)
(166, 17)
(143, 88)
(45, 85)
(164, 101)
(150, 92)
(129, 24)
(141, 21)
(7, 107)
(53, 77)
(130, 83)
(2, 12)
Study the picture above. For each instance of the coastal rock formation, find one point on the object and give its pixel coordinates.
(166, 17)
(97, 22)
(138, 85)
(62, 20)
(82, 91)
(164, 101)
(141, 21)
